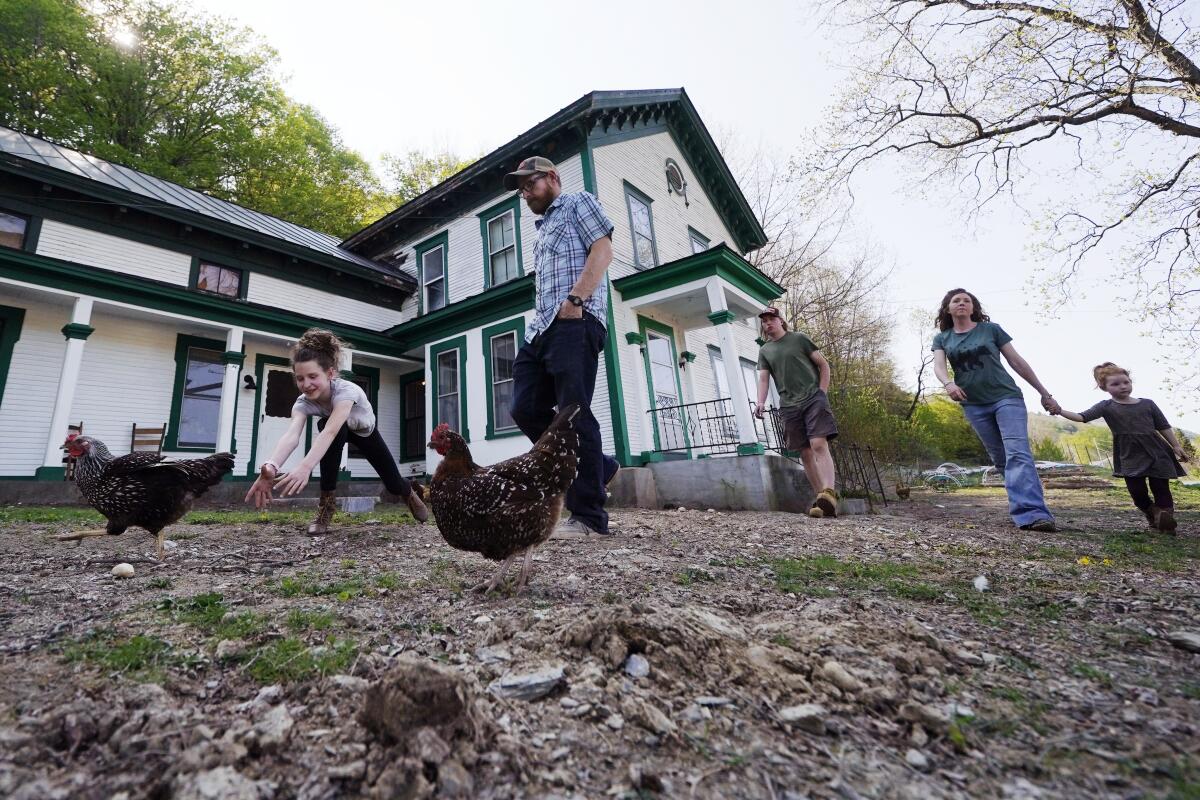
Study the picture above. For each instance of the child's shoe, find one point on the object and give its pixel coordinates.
(1164, 519)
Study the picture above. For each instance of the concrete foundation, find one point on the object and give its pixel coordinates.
(742, 483)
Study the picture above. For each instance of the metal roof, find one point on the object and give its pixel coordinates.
(162, 195)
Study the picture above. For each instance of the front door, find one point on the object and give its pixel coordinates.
(665, 396)
(277, 395)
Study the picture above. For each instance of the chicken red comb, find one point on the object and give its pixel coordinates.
(442, 428)
(71, 436)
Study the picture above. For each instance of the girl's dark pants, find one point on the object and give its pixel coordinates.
(556, 369)
(1141, 498)
(376, 452)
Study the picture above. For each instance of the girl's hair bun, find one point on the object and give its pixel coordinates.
(1102, 372)
(319, 345)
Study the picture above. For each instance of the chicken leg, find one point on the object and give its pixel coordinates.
(524, 576)
(489, 586)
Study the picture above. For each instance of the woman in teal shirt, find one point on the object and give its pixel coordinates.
(991, 401)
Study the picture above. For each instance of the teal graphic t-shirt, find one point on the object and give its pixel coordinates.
(975, 358)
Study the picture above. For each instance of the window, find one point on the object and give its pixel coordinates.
(662, 381)
(749, 379)
(698, 240)
(641, 226)
(448, 368)
(431, 261)
(500, 226)
(196, 404)
(215, 279)
(412, 417)
(500, 345)
(12, 230)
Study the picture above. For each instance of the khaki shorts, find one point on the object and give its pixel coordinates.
(803, 422)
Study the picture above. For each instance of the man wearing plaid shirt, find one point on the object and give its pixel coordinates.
(557, 364)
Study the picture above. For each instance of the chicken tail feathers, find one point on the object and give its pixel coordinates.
(203, 473)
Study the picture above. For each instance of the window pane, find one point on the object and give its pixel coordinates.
(500, 232)
(502, 405)
(414, 400)
(201, 406)
(230, 280)
(447, 373)
(645, 251)
(504, 352)
(448, 410)
(698, 245)
(719, 376)
(431, 264)
(12, 231)
(435, 295)
(504, 265)
(641, 216)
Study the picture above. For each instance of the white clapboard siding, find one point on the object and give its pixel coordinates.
(301, 299)
(29, 390)
(84, 246)
(387, 416)
(642, 163)
(465, 241)
(699, 340)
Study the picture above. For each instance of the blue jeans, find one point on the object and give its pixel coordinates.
(556, 369)
(1003, 427)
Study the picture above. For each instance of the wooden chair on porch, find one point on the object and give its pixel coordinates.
(147, 439)
(69, 461)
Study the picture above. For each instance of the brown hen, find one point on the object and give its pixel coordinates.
(509, 508)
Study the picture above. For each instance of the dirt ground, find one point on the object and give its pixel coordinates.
(697, 654)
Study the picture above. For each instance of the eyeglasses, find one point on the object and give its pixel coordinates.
(528, 187)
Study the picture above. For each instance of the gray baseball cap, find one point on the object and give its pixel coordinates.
(530, 166)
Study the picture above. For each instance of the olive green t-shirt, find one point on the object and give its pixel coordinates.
(789, 361)
(975, 357)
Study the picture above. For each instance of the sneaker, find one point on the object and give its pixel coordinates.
(1041, 526)
(827, 502)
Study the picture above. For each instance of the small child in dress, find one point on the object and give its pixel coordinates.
(1142, 444)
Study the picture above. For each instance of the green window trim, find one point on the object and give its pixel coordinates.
(11, 321)
(29, 235)
(194, 277)
(513, 205)
(695, 237)
(647, 324)
(183, 343)
(441, 240)
(459, 343)
(516, 326)
(409, 377)
(642, 197)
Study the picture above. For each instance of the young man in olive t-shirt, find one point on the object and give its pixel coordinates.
(801, 374)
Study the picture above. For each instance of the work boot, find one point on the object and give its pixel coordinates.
(1149, 512)
(827, 502)
(325, 509)
(413, 501)
(1164, 519)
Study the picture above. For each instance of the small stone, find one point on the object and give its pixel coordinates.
(560, 753)
(930, 718)
(1147, 696)
(836, 674)
(636, 666)
(351, 683)
(229, 649)
(919, 737)
(123, 570)
(917, 760)
(453, 780)
(648, 716)
(681, 508)
(807, 716)
(353, 771)
(960, 711)
(708, 700)
(493, 654)
(528, 685)
(169, 545)
(615, 721)
(568, 702)
(222, 783)
(267, 695)
(274, 729)
(482, 619)
(1185, 640)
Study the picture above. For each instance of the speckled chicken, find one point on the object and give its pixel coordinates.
(509, 508)
(145, 490)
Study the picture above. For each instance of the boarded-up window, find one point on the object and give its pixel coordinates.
(219, 280)
(12, 230)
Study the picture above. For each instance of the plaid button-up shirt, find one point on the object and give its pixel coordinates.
(566, 232)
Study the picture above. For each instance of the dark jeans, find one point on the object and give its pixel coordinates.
(1141, 498)
(376, 452)
(556, 369)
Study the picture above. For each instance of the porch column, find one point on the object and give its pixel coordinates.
(233, 358)
(76, 331)
(722, 318)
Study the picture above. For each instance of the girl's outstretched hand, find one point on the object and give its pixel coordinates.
(260, 490)
(294, 482)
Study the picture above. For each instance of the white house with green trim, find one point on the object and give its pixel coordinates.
(126, 299)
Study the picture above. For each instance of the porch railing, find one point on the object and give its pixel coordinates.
(708, 427)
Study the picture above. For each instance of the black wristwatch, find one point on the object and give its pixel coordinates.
(575, 300)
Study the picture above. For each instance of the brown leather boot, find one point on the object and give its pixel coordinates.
(413, 501)
(325, 509)
(1164, 519)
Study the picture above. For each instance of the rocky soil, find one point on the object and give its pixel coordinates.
(929, 650)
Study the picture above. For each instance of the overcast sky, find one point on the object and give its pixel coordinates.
(467, 77)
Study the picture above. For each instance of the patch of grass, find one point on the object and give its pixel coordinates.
(145, 657)
(782, 640)
(1147, 551)
(349, 563)
(923, 592)
(302, 620)
(1083, 670)
(610, 597)
(693, 575)
(388, 580)
(50, 514)
(1049, 552)
(241, 626)
(1009, 693)
(304, 584)
(159, 583)
(290, 659)
(444, 572)
(1191, 690)
(981, 605)
(204, 611)
(736, 561)
(813, 575)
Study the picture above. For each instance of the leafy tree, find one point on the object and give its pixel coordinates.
(1047, 450)
(948, 433)
(414, 173)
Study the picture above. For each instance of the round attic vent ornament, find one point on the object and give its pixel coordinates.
(675, 181)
